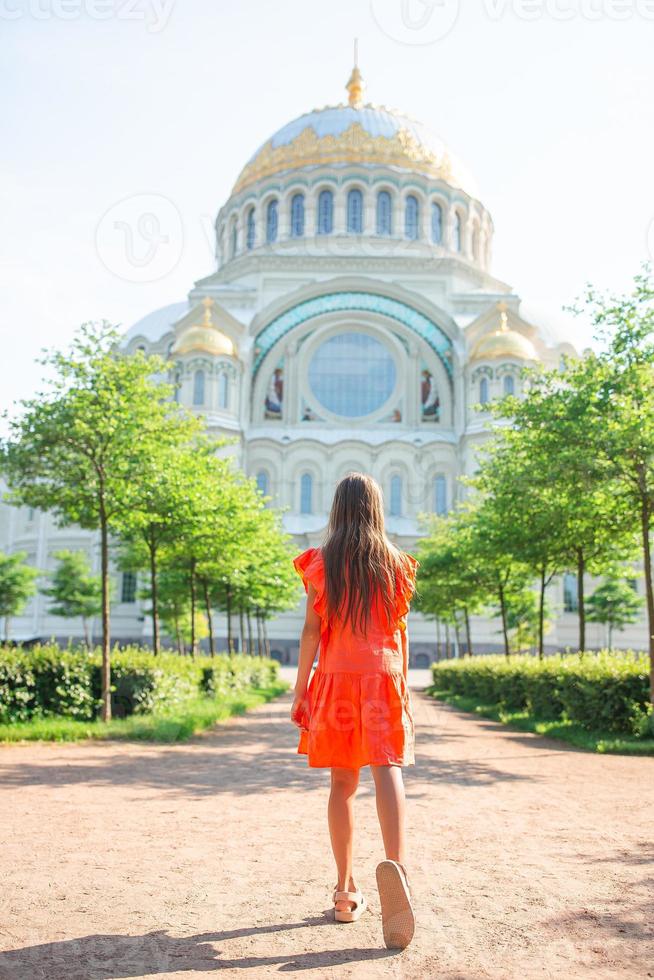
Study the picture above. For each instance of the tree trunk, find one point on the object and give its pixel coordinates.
(505, 629)
(259, 644)
(457, 652)
(649, 588)
(193, 602)
(6, 629)
(610, 644)
(581, 603)
(106, 637)
(438, 639)
(447, 641)
(541, 616)
(249, 622)
(241, 630)
(85, 628)
(266, 641)
(230, 640)
(156, 641)
(180, 644)
(207, 606)
(468, 639)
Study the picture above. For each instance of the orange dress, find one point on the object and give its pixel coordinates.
(359, 707)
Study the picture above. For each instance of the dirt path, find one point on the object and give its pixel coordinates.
(529, 859)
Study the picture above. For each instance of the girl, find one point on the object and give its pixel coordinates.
(356, 710)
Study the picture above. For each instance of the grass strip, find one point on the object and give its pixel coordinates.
(565, 731)
(176, 724)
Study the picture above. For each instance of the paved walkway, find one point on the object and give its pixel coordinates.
(528, 859)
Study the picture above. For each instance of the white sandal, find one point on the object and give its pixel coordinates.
(349, 915)
(398, 920)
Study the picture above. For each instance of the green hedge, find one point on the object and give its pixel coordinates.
(605, 691)
(46, 680)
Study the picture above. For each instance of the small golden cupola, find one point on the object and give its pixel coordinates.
(504, 342)
(204, 337)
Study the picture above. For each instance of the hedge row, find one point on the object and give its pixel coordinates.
(46, 680)
(601, 692)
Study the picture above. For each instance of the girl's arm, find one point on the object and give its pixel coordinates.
(309, 642)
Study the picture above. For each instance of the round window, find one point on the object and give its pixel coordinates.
(352, 374)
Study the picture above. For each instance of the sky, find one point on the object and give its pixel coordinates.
(115, 109)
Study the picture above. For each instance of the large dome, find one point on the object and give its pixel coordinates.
(355, 133)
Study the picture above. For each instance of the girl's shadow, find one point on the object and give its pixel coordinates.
(110, 957)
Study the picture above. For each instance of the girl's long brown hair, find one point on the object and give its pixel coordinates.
(361, 564)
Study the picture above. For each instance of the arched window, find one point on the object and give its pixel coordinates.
(325, 213)
(263, 483)
(128, 587)
(483, 391)
(234, 241)
(198, 388)
(570, 598)
(223, 390)
(251, 230)
(355, 211)
(272, 221)
(411, 216)
(297, 216)
(177, 382)
(436, 223)
(458, 232)
(306, 494)
(396, 496)
(440, 494)
(509, 384)
(384, 214)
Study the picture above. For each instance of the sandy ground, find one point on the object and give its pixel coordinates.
(528, 859)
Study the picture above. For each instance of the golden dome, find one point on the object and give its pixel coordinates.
(504, 343)
(204, 337)
(355, 133)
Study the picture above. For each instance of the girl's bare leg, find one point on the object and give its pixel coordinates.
(340, 813)
(389, 793)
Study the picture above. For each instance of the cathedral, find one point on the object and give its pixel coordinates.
(352, 323)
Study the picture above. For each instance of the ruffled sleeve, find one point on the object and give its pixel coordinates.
(405, 588)
(310, 568)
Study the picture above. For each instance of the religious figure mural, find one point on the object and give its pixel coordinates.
(275, 393)
(429, 395)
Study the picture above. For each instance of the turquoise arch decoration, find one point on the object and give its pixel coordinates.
(348, 302)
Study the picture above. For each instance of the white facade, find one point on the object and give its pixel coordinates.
(352, 322)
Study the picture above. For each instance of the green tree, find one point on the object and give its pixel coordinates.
(74, 590)
(248, 571)
(17, 585)
(523, 618)
(615, 604)
(160, 507)
(80, 447)
(452, 583)
(501, 573)
(593, 525)
(616, 388)
(529, 517)
(173, 604)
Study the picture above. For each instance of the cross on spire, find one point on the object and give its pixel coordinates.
(355, 83)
